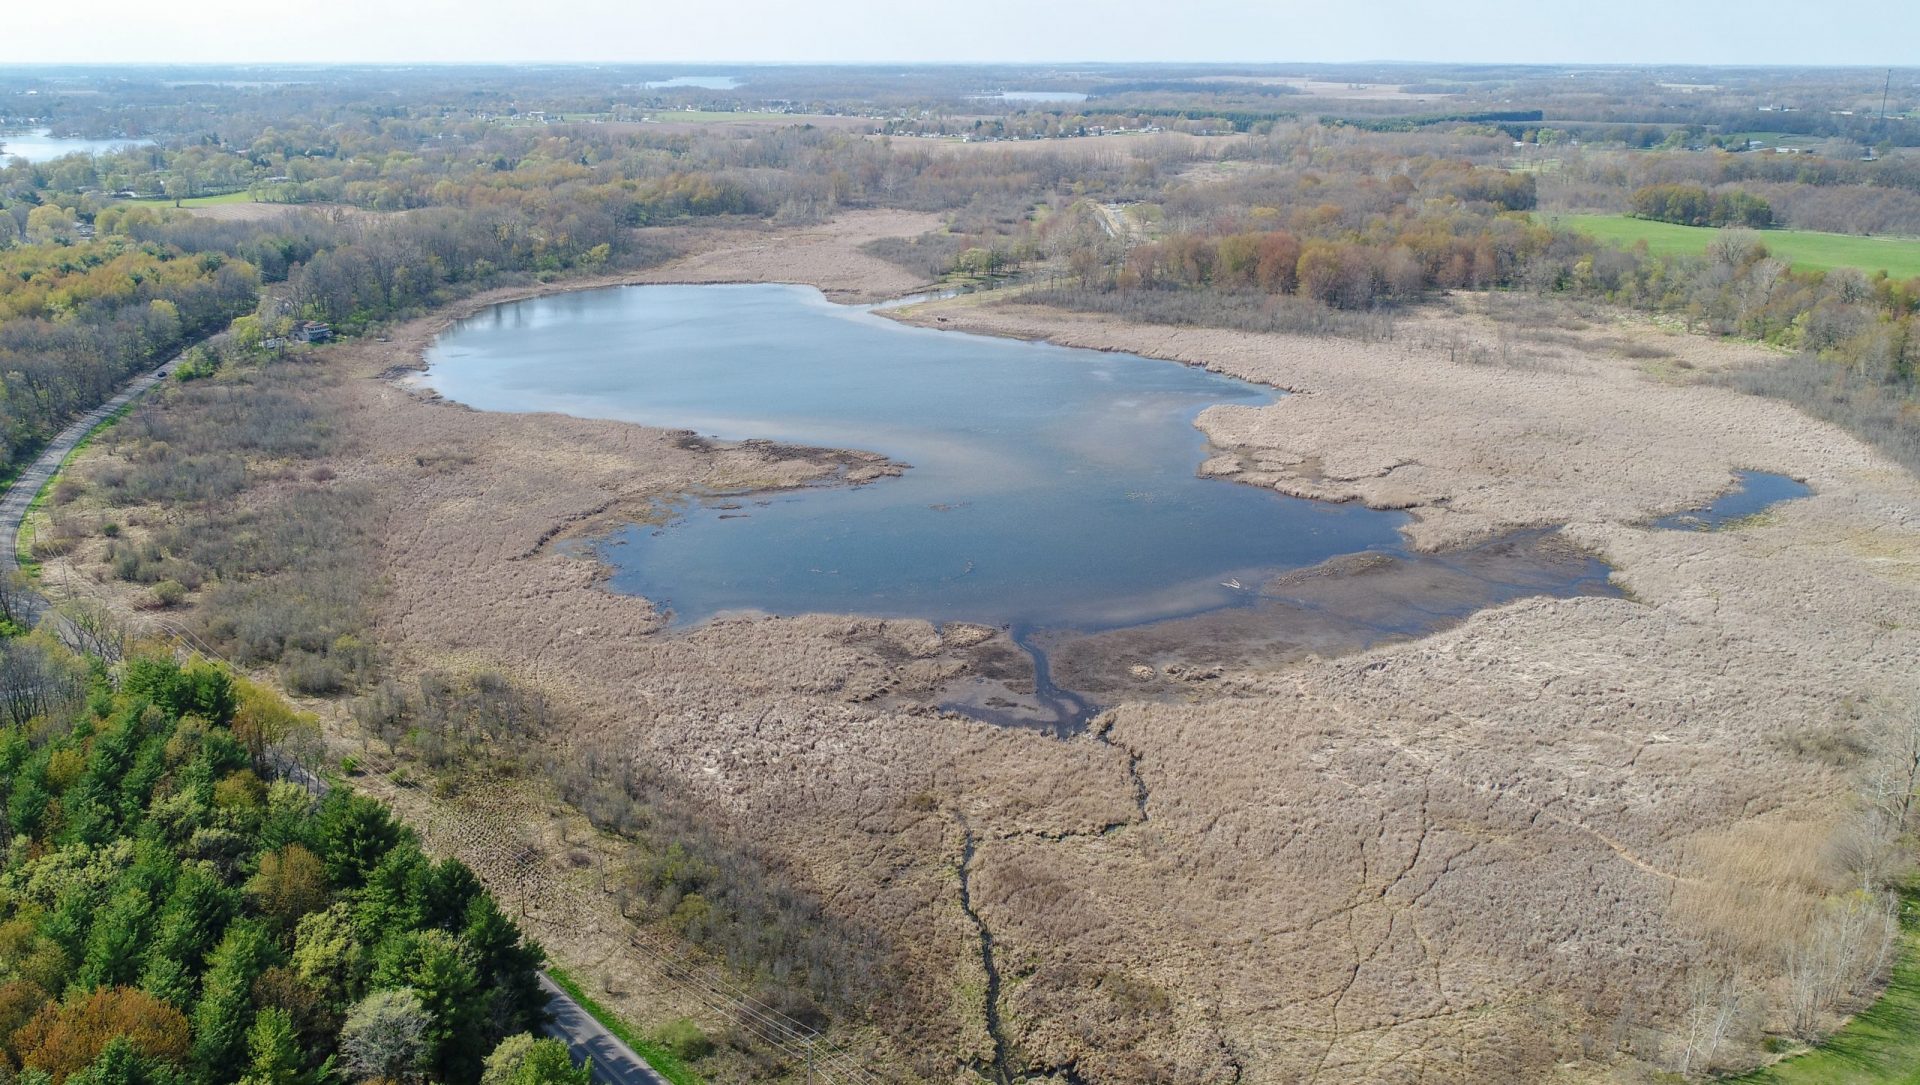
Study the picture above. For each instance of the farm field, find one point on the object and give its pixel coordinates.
(1808, 250)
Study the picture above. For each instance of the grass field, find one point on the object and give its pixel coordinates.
(204, 201)
(1881, 1045)
(1805, 249)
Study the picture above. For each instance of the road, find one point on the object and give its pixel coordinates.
(13, 507)
(614, 1063)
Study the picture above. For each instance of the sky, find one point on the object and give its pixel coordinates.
(1772, 32)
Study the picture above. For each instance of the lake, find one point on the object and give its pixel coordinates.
(1033, 96)
(703, 82)
(40, 145)
(1048, 488)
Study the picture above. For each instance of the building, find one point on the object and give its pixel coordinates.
(311, 331)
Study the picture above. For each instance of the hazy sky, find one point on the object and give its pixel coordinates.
(1646, 31)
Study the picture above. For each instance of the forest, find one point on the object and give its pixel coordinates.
(178, 907)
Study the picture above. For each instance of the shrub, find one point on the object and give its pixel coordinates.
(169, 593)
(684, 1038)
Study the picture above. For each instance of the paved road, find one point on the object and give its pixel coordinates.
(614, 1063)
(13, 507)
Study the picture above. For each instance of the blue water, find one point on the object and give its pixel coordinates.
(1755, 492)
(1048, 488)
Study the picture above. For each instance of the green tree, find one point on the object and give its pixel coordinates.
(118, 933)
(273, 1051)
(507, 965)
(225, 1010)
(432, 963)
(353, 833)
(121, 1062)
(522, 1060)
(290, 884)
(189, 926)
(328, 953)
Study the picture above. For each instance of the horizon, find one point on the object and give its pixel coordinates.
(707, 66)
(1720, 33)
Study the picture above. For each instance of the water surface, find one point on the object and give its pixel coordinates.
(1754, 493)
(1034, 96)
(703, 82)
(40, 145)
(1048, 488)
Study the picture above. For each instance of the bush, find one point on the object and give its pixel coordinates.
(684, 1038)
(169, 593)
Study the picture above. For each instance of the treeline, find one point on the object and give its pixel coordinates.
(173, 912)
(76, 319)
(1837, 191)
(1692, 205)
(1350, 240)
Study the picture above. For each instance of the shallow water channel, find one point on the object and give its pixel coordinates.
(1049, 490)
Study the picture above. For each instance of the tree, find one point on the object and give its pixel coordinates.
(64, 1039)
(49, 223)
(353, 833)
(290, 884)
(188, 928)
(522, 1060)
(225, 1010)
(385, 1036)
(433, 964)
(119, 931)
(316, 1025)
(263, 719)
(273, 1051)
(507, 965)
(121, 1063)
(329, 954)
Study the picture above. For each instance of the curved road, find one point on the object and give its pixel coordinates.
(614, 1063)
(13, 507)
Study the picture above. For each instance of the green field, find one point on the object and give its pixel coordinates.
(1881, 1045)
(242, 196)
(1807, 250)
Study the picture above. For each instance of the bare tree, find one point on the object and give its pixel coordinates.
(91, 629)
(1715, 998)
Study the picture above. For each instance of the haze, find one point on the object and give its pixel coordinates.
(1768, 32)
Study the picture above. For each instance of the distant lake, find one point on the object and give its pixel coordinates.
(1033, 96)
(1049, 487)
(704, 82)
(40, 145)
